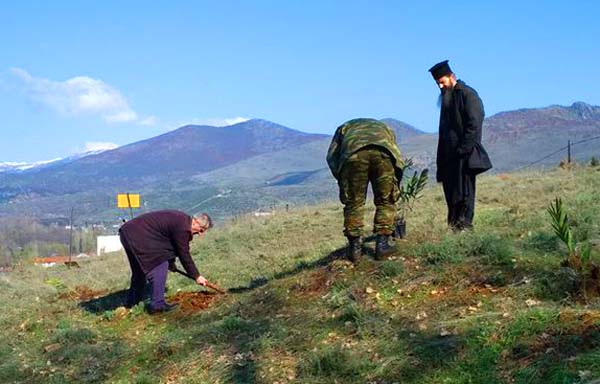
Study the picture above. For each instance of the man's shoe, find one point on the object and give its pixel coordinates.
(166, 308)
(382, 247)
(354, 251)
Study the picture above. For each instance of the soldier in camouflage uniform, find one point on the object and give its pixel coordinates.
(363, 151)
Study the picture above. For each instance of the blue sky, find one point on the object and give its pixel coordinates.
(89, 74)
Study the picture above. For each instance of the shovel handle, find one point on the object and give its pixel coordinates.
(215, 287)
(208, 284)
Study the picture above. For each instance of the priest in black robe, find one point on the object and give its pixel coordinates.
(460, 155)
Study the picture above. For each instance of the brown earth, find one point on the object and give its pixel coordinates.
(51, 259)
(316, 284)
(83, 293)
(192, 302)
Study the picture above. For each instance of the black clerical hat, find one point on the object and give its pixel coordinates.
(440, 69)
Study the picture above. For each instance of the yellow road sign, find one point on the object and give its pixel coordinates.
(128, 200)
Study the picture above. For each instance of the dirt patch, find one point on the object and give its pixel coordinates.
(316, 284)
(467, 291)
(192, 302)
(459, 297)
(486, 290)
(82, 293)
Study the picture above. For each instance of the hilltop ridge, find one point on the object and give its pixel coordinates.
(264, 164)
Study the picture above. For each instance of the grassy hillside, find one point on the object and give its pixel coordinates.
(489, 306)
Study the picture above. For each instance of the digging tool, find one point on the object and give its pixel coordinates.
(208, 284)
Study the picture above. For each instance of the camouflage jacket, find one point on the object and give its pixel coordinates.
(359, 133)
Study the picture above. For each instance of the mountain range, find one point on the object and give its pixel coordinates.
(258, 164)
(17, 167)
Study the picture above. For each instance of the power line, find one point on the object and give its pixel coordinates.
(557, 151)
(586, 140)
(543, 158)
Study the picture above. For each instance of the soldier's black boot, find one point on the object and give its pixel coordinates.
(382, 247)
(354, 251)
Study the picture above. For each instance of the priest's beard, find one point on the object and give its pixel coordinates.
(444, 98)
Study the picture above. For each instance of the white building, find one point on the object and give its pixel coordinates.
(106, 244)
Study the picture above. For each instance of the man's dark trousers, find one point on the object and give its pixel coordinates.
(157, 277)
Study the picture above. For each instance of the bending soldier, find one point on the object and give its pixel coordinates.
(364, 151)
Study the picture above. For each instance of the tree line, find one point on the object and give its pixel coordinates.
(23, 237)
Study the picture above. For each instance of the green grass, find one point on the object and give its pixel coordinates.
(488, 306)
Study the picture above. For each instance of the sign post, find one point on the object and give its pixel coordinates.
(128, 200)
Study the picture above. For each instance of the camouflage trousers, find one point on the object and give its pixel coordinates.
(373, 165)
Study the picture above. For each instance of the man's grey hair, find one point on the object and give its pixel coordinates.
(205, 218)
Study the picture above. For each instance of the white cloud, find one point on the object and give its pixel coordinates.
(121, 117)
(96, 146)
(149, 121)
(218, 121)
(79, 95)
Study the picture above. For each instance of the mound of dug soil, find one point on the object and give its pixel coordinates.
(191, 302)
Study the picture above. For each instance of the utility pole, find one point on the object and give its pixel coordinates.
(569, 152)
(71, 235)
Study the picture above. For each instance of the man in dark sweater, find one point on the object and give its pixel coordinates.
(152, 241)
(460, 155)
